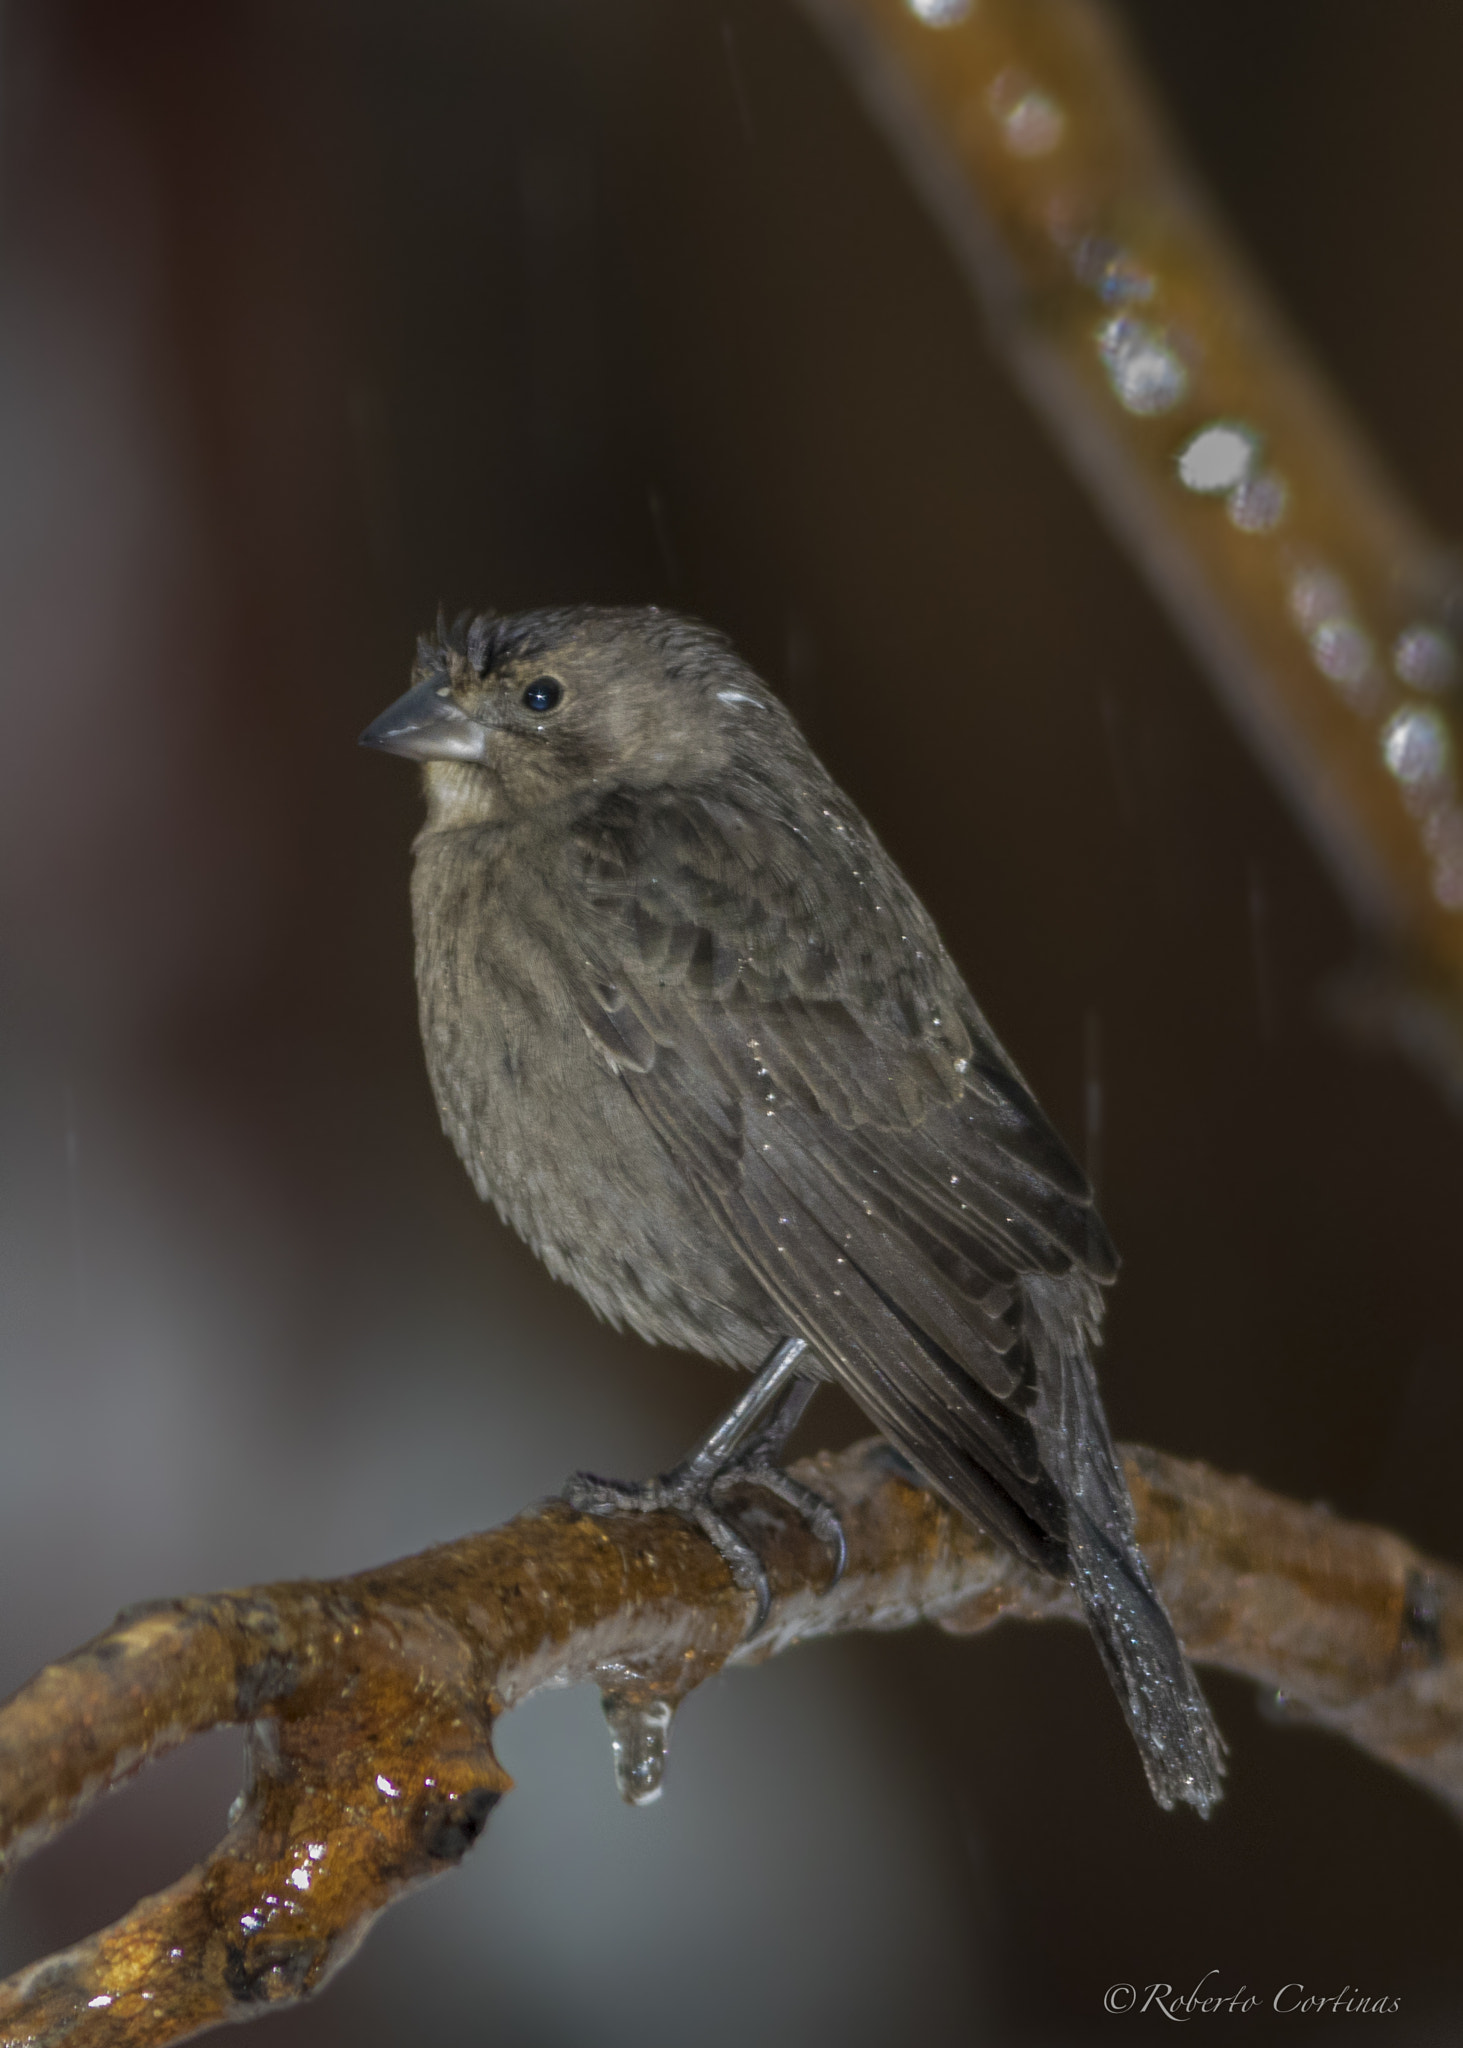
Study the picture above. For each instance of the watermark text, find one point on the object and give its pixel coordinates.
(1172, 2002)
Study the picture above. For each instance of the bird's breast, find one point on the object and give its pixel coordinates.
(546, 1130)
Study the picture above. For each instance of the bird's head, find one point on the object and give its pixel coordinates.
(510, 714)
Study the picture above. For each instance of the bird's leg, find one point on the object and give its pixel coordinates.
(775, 1386)
(735, 1452)
(759, 1463)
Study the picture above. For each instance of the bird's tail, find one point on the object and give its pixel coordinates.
(1181, 1748)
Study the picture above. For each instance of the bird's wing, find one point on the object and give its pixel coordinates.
(780, 1008)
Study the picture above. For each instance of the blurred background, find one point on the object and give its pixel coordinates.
(319, 311)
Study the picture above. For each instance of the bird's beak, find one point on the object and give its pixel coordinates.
(426, 725)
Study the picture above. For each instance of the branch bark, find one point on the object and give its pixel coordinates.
(370, 1701)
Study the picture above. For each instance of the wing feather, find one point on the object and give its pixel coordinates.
(782, 1012)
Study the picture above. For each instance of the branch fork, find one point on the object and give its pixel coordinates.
(370, 1701)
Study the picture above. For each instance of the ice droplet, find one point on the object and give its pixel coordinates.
(1218, 458)
(941, 13)
(1032, 123)
(640, 1726)
(1146, 373)
(1258, 505)
(1340, 647)
(1342, 651)
(1108, 269)
(1426, 657)
(1317, 593)
(1415, 748)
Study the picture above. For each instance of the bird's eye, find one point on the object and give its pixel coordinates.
(544, 694)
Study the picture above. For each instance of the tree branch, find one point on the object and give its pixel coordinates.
(1309, 589)
(370, 1701)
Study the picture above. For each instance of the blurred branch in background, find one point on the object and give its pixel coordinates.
(370, 1701)
(1312, 594)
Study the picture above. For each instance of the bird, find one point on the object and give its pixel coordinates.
(697, 1040)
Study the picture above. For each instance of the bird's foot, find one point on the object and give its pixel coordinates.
(683, 1492)
(699, 1496)
(737, 1453)
(757, 1465)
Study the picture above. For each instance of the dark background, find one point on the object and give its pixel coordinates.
(317, 311)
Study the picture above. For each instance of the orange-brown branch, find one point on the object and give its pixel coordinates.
(1314, 596)
(370, 1701)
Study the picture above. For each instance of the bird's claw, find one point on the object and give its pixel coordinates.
(697, 1498)
(820, 1516)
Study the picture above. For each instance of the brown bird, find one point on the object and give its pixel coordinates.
(696, 1039)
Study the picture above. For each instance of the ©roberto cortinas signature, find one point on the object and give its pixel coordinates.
(1206, 1997)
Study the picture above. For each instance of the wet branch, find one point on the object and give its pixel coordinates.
(370, 1701)
(1323, 611)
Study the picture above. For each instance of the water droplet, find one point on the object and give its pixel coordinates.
(1146, 373)
(1218, 458)
(640, 1727)
(1343, 652)
(1341, 648)
(941, 13)
(1258, 505)
(1426, 657)
(1106, 268)
(1032, 123)
(1415, 748)
(1317, 593)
